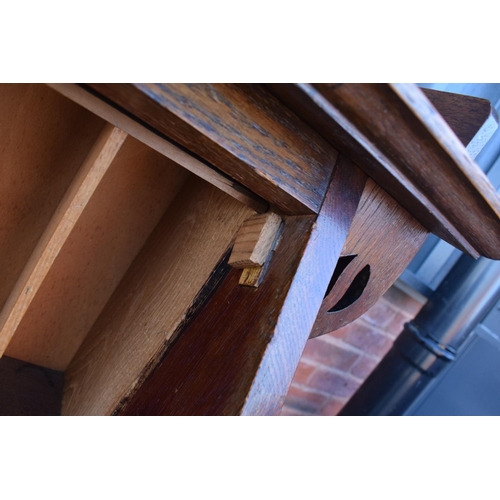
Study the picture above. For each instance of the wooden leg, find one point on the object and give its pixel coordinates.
(238, 355)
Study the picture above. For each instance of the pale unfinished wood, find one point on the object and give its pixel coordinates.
(139, 322)
(44, 141)
(121, 214)
(254, 241)
(58, 230)
(159, 144)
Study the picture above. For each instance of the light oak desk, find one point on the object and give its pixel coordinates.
(121, 203)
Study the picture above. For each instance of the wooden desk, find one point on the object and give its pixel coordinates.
(121, 204)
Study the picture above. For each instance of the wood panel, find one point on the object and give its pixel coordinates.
(243, 131)
(160, 144)
(121, 213)
(29, 390)
(60, 226)
(472, 119)
(399, 139)
(383, 236)
(45, 139)
(239, 354)
(142, 317)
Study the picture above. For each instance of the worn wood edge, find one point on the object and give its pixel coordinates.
(434, 219)
(413, 96)
(69, 210)
(160, 144)
(217, 275)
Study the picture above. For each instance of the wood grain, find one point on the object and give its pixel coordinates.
(472, 119)
(29, 390)
(160, 144)
(243, 131)
(399, 139)
(239, 354)
(121, 213)
(45, 139)
(254, 241)
(141, 319)
(55, 235)
(384, 236)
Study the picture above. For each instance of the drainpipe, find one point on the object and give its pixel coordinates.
(429, 343)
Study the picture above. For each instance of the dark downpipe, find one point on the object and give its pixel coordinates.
(430, 342)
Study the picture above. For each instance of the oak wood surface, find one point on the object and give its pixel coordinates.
(398, 138)
(383, 236)
(239, 353)
(29, 390)
(243, 131)
(121, 213)
(160, 144)
(472, 119)
(142, 317)
(58, 230)
(44, 140)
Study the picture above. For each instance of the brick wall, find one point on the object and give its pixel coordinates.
(333, 366)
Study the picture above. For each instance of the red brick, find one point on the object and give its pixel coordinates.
(332, 407)
(403, 301)
(333, 383)
(302, 374)
(286, 411)
(369, 340)
(341, 332)
(395, 327)
(328, 354)
(304, 401)
(380, 314)
(364, 367)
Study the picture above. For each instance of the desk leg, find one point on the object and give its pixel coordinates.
(238, 355)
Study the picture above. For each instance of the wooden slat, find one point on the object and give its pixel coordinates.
(44, 140)
(383, 236)
(472, 119)
(159, 144)
(144, 314)
(398, 138)
(239, 353)
(58, 230)
(241, 130)
(120, 215)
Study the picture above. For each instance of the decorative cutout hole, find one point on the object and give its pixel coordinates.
(342, 263)
(354, 291)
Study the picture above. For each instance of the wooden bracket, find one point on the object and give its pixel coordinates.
(253, 246)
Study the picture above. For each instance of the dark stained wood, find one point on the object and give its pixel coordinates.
(473, 120)
(29, 390)
(243, 131)
(239, 354)
(396, 136)
(383, 236)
